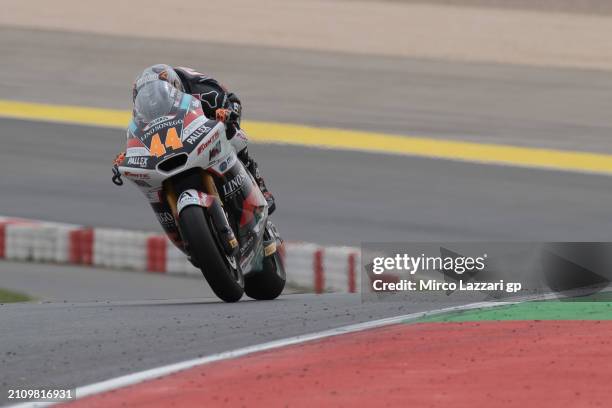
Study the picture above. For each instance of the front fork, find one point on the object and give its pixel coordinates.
(211, 203)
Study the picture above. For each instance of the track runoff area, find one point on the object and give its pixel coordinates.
(536, 353)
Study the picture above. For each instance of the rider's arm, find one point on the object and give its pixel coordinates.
(210, 92)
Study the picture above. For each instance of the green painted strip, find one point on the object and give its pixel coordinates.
(536, 310)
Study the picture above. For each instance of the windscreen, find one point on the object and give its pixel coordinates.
(156, 99)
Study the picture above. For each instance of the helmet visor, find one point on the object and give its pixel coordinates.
(154, 100)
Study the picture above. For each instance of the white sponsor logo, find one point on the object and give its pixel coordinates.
(146, 78)
(234, 184)
(197, 134)
(156, 121)
(137, 151)
(194, 125)
(165, 218)
(138, 161)
(189, 197)
(156, 128)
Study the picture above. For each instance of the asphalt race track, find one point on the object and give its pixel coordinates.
(66, 343)
(62, 173)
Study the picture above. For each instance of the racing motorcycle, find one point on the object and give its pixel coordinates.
(207, 202)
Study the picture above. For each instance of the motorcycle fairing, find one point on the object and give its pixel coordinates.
(187, 121)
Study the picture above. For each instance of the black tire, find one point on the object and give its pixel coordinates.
(269, 283)
(226, 281)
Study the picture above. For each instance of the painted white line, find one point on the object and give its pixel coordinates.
(145, 375)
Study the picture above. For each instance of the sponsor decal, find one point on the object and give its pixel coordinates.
(197, 134)
(194, 197)
(154, 196)
(224, 163)
(233, 185)
(223, 166)
(139, 161)
(227, 163)
(215, 151)
(242, 136)
(156, 121)
(195, 137)
(139, 176)
(195, 124)
(165, 218)
(145, 79)
(137, 151)
(141, 183)
(247, 245)
(187, 198)
(163, 125)
(205, 145)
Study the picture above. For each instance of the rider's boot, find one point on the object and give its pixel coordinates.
(251, 165)
(240, 141)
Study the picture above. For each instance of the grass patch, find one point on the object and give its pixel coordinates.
(7, 296)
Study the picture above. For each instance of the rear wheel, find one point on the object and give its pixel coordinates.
(269, 283)
(220, 270)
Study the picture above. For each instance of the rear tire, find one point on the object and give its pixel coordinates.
(225, 279)
(269, 283)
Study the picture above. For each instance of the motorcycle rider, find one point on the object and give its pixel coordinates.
(217, 102)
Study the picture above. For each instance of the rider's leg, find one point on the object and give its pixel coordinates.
(240, 143)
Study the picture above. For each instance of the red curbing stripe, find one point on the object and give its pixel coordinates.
(3, 239)
(352, 282)
(74, 247)
(545, 364)
(3, 225)
(80, 250)
(156, 254)
(319, 278)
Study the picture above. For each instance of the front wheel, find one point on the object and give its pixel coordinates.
(268, 283)
(221, 271)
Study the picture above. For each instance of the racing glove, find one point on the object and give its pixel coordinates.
(119, 159)
(116, 174)
(231, 118)
(228, 116)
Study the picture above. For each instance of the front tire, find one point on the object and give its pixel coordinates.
(269, 283)
(224, 276)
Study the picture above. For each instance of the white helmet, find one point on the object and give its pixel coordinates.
(154, 73)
